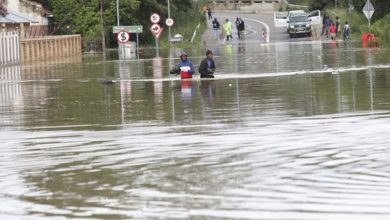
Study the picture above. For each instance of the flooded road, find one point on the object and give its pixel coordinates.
(286, 131)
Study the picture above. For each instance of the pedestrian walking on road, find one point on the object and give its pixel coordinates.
(328, 23)
(210, 16)
(228, 28)
(323, 25)
(216, 26)
(346, 31)
(337, 26)
(238, 22)
(333, 31)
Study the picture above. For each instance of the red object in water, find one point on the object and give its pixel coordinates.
(368, 36)
(369, 39)
(185, 75)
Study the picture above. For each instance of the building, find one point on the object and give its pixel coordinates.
(29, 18)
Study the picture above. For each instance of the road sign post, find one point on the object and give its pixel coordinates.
(368, 11)
(129, 29)
(156, 29)
(123, 37)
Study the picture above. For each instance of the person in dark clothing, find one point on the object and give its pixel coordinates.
(210, 16)
(216, 28)
(207, 66)
(241, 28)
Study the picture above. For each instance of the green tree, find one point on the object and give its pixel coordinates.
(382, 8)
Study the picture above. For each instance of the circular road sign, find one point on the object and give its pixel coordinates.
(155, 18)
(123, 36)
(169, 22)
(155, 28)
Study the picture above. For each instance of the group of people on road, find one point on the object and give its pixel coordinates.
(227, 29)
(186, 68)
(332, 29)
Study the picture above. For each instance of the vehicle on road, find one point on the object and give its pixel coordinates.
(299, 25)
(281, 18)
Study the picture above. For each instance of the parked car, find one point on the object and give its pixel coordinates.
(299, 25)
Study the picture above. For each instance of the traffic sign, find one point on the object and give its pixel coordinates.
(155, 18)
(123, 37)
(156, 30)
(129, 29)
(368, 10)
(169, 22)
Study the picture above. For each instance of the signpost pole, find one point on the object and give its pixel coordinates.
(157, 53)
(169, 28)
(137, 47)
(117, 13)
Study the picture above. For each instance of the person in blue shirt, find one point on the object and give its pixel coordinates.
(207, 66)
(185, 68)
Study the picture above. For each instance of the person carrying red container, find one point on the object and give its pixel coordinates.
(185, 68)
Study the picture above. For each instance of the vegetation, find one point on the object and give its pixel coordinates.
(380, 20)
(84, 17)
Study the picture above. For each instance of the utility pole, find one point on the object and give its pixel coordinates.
(102, 30)
(169, 28)
(117, 13)
(350, 8)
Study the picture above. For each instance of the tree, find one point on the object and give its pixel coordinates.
(382, 8)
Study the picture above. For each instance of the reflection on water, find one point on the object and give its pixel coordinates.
(285, 131)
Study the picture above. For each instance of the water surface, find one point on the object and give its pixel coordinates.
(285, 131)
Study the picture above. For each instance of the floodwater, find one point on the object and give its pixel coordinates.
(290, 131)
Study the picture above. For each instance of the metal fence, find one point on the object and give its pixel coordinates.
(9, 48)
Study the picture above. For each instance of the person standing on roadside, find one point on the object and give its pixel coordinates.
(207, 66)
(216, 26)
(228, 28)
(337, 26)
(328, 23)
(323, 24)
(333, 31)
(346, 31)
(238, 23)
(210, 16)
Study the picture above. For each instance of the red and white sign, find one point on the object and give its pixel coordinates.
(155, 18)
(123, 37)
(156, 30)
(169, 22)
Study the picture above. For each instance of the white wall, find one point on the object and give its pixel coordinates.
(27, 10)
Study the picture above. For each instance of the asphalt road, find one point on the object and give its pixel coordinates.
(254, 24)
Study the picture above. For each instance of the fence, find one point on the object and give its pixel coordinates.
(50, 48)
(14, 50)
(9, 48)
